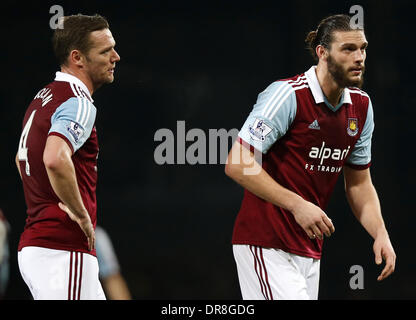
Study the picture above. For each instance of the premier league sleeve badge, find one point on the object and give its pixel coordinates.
(259, 130)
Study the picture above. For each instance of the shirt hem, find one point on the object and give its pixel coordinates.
(55, 246)
(281, 247)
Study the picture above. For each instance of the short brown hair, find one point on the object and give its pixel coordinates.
(75, 34)
(323, 35)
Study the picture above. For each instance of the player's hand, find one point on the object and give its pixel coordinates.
(384, 250)
(84, 223)
(313, 220)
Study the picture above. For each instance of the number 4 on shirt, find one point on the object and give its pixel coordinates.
(22, 152)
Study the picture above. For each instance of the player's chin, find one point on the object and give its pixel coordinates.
(355, 81)
(109, 78)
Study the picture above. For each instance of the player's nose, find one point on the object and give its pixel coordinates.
(116, 57)
(359, 56)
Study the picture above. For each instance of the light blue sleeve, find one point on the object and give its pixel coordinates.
(75, 120)
(271, 116)
(361, 154)
(107, 259)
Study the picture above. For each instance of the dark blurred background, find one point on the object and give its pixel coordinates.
(205, 63)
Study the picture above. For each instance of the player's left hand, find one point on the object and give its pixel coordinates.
(84, 223)
(383, 249)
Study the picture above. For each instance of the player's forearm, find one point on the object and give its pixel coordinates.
(63, 181)
(365, 205)
(116, 288)
(265, 187)
(261, 183)
(61, 173)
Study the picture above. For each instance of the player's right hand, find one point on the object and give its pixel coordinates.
(84, 223)
(313, 220)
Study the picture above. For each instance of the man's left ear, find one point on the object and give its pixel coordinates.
(77, 58)
(322, 52)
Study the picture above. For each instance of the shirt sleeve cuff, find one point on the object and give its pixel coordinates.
(358, 166)
(248, 146)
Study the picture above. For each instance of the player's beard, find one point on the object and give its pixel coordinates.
(340, 75)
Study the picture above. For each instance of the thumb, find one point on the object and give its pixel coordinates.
(379, 259)
(61, 206)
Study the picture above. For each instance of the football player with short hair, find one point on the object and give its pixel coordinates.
(57, 161)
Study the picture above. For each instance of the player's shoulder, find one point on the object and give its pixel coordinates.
(292, 84)
(65, 90)
(56, 93)
(358, 95)
(76, 105)
(295, 80)
(287, 86)
(78, 110)
(279, 95)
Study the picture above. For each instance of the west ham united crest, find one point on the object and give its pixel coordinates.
(352, 128)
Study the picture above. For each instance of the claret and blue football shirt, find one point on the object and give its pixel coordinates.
(63, 108)
(305, 142)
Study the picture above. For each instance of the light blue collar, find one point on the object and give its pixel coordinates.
(330, 106)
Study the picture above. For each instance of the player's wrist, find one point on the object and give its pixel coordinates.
(85, 219)
(381, 232)
(82, 216)
(294, 202)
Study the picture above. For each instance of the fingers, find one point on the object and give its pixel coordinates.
(85, 225)
(320, 228)
(329, 224)
(384, 250)
(90, 234)
(316, 232)
(388, 269)
(91, 241)
(324, 228)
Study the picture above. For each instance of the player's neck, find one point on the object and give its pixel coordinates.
(81, 76)
(330, 88)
